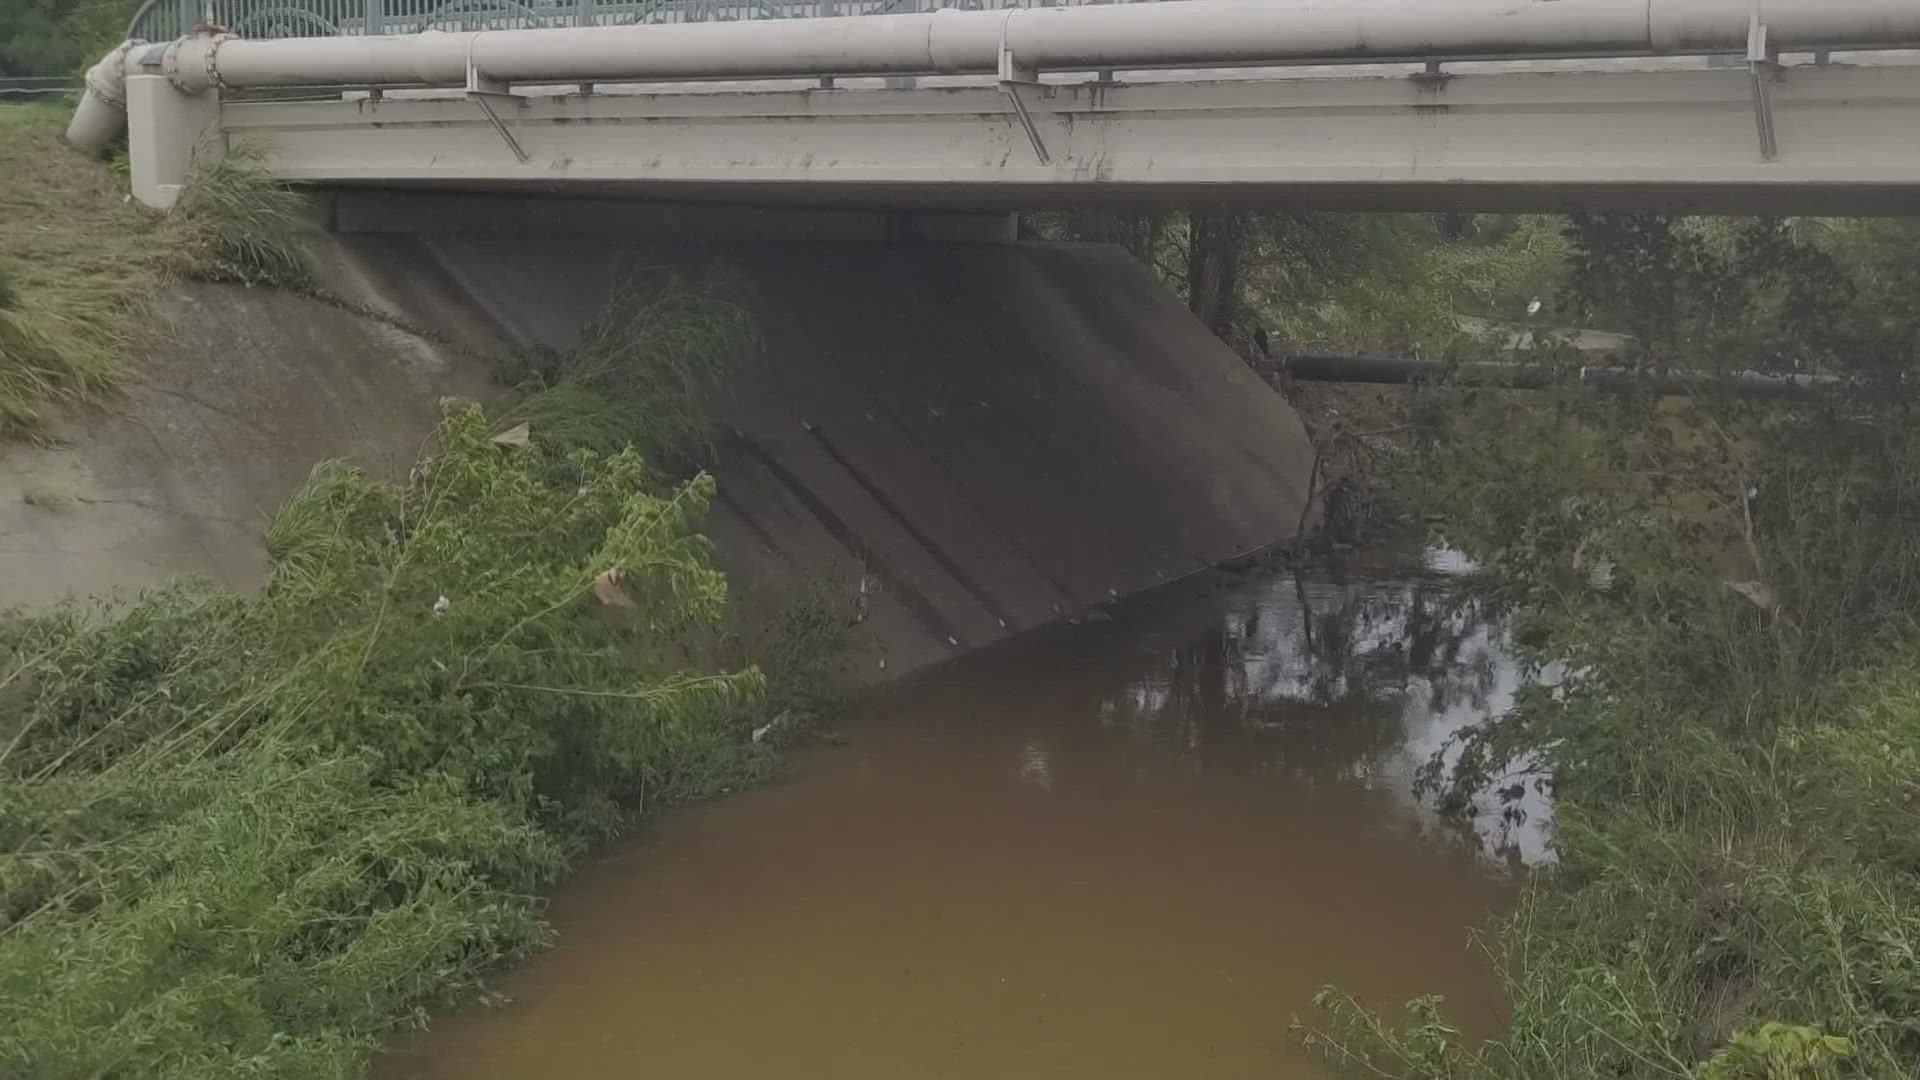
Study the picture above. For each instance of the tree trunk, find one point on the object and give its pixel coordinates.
(1455, 226)
(1138, 233)
(1213, 268)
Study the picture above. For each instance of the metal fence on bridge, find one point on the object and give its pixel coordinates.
(164, 20)
(21, 88)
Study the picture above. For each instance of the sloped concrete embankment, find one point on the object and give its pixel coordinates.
(234, 395)
(990, 436)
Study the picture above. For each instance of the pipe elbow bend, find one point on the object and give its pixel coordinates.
(101, 117)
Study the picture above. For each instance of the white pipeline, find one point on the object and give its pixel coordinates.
(102, 113)
(1196, 34)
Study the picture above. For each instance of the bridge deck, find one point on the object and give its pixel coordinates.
(1484, 136)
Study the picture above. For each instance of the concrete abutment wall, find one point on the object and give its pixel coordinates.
(990, 435)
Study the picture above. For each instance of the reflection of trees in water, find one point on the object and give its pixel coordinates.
(1337, 683)
(1315, 678)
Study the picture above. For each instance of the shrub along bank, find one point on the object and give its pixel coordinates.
(251, 833)
(1726, 594)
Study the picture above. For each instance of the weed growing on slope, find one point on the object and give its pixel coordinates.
(79, 260)
(249, 834)
(240, 225)
(646, 371)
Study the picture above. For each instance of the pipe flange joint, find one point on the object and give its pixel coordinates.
(213, 66)
(170, 64)
(194, 81)
(107, 80)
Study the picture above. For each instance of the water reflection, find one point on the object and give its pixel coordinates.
(1035, 767)
(1339, 682)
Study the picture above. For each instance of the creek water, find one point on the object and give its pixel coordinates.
(1126, 849)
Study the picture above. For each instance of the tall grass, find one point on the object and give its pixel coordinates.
(58, 344)
(241, 225)
(81, 262)
(78, 263)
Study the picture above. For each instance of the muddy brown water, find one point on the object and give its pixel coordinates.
(1132, 849)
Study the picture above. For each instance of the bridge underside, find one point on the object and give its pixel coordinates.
(1845, 140)
(967, 440)
(1827, 200)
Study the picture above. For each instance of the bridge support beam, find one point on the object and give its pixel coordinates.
(167, 131)
(1847, 141)
(1464, 135)
(366, 210)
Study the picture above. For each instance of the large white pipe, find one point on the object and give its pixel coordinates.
(1200, 33)
(101, 117)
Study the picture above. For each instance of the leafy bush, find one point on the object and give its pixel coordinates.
(1724, 592)
(645, 371)
(250, 833)
(55, 37)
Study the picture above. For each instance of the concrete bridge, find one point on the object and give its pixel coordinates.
(973, 438)
(1702, 105)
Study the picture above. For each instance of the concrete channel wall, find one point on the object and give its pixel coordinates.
(991, 436)
(983, 437)
(230, 399)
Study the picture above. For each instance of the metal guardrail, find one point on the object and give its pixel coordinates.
(164, 20)
(13, 88)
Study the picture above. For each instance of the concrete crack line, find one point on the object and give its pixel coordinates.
(217, 410)
(162, 508)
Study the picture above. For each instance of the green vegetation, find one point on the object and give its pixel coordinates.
(1394, 283)
(644, 372)
(60, 37)
(1445, 286)
(235, 224)
(1343, 282)
(1721, 595)
(78, 261)
(251, 833)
